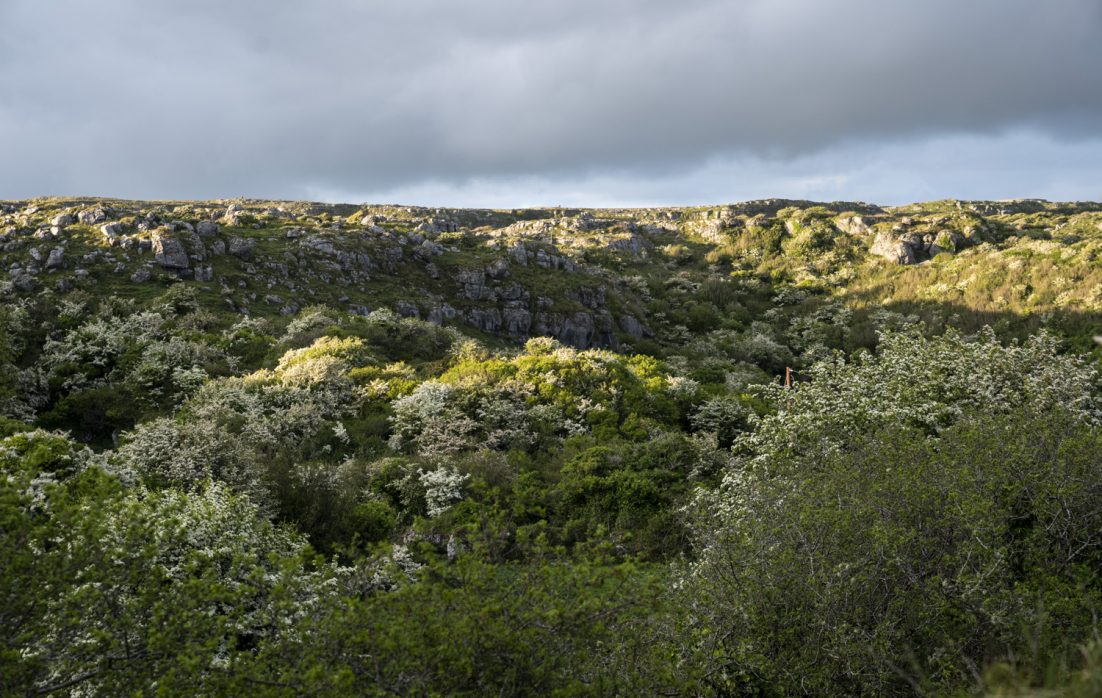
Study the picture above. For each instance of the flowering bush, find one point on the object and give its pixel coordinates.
(928, 383)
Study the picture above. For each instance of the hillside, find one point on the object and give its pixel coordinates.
(586, 277)
(306, 449)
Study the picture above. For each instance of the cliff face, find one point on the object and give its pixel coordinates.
(606, 278)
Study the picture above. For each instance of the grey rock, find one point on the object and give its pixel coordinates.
(519, 253)
(439, 313)
(206, 228)
(141, 276)
(852, 225)
(204, 273)
(92, 216)
(62, 219)
(516, 321)
(319, 244)
(427, 250)
(485, 319)
(392, 255)
(498, 269)
(631, 325)
(168, 251)
(603, 335)
(634, 245)
(56, 260)
(513, 292)
(472, 284)
(895, 248)
(111, 231)
(948, 241)
(196, 246)
(407, 309)
(592, 298)
(712, 230)
(218, 248)
(577, 330)
(241, 248)
(25, 282)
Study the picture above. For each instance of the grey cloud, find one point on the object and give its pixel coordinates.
(280, 98)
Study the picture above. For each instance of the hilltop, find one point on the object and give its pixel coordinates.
(633, 278)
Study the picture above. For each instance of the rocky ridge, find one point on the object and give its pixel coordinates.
(582, 276)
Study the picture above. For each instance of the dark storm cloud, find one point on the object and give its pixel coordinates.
(278, 98)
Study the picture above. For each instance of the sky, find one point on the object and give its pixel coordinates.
(510, 103)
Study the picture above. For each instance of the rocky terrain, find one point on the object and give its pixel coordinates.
(586, 277)
(770, 448)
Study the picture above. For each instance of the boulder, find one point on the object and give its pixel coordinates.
(240, 247)
(92, 216)
(852, 225)
(319, 244)
(947, 241)
(24, 281)
(61, 220)
(206, 228)
(498, 269)
(168, 251)
(111, 231)
(894, 248)
(56, 260)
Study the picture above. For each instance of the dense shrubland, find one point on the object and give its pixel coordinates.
(197, 501)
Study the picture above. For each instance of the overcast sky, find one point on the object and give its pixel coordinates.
(551, 102)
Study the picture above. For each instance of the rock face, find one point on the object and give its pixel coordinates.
(168, 251)
(516, 321)
(634, 328)
(560, 273)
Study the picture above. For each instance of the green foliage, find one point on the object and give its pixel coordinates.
(916, 515)
(904, 562)
(477, 629)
